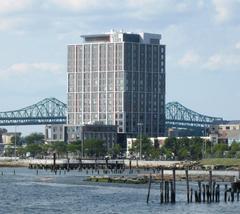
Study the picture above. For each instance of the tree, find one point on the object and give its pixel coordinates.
(34, 138)
(21, 152)
(45, 149)
(8, 150)
(94, 148)
(116, 150)
(60, 148)
(75, 147)
(33, 149)
(219, 150)
(147, 147)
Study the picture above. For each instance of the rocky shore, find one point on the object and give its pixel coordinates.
(143, 178)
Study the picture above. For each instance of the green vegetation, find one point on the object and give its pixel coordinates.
(221, 161)
(126, 180)
(173, 149)
(33, 146)
(94, 148)
(149, 151)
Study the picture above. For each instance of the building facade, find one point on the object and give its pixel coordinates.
(118, 79)
(227, 132)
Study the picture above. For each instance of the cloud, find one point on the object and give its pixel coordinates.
(79, 5)
(26, 69)
(10, 6)
(225, 62)
(237, 45)
(189, 58)
(10, 23)
(219, 61)
(226, 10)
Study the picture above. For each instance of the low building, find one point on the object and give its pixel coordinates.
(156, 142)
(106, 133)
(227, 132)
(7, 137)
(54, 133)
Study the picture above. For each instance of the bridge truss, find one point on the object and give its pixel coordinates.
(53, 111)
(47, 111)
(178, 116)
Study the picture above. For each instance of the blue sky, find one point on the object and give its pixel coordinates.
(202, 38)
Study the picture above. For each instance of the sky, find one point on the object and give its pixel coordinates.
(202, 39)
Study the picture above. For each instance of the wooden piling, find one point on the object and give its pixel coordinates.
(210, 185)
(172, 192)
(225, 193)
(191, 195)
(174, 185)
(217, 198)
(204, 193)
(213, 191)
(208, 193)
(199, 191)
(167, 191)
(161, 186)
(232, 193)
(196, 196)
(187, 185)
(149, 187)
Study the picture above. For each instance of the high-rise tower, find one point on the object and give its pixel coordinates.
(118, 79)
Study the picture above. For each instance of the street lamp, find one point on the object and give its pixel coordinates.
(140, 138)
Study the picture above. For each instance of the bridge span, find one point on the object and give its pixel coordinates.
(53, 111)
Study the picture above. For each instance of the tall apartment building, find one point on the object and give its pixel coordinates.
(118, 79)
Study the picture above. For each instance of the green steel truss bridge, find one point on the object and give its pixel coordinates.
(47, 111)
(178, 116)
(53, 111)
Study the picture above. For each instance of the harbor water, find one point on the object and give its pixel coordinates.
(26, 191)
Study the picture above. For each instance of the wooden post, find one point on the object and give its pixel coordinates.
(199, 191)
(210, 185)
(208, 193)
(174, 185)
(213, 191)
(232, 193)
(167, 184)
(204, 192)
(238, 194)
(191, 195)
(225, 193)
(172, 192)
(187, 185)
(161, 186)
(149, 187)
(196, 196)
(217, 198)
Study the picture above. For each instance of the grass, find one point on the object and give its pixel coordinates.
(221, 161)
